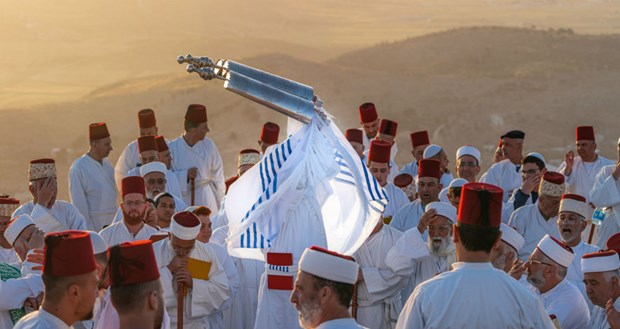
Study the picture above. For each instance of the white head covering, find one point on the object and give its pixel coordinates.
(443, 209)
(185, 225)
(329, 265)
(556, 250)
(99, 245)
(600, 262)
(458, 182)
(431, 151)
(16, 226)
(574, 203)
(468, 150)
(537, 155)
(153, 167)
(512, 237)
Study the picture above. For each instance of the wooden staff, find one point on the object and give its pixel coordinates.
(192, 184)
(354, 302)
(180, 300)
(592, 228)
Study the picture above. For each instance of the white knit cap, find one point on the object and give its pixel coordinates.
(602, 261)
(556, 250)
(153, 167)
(99, 245)
(512, 237)
(468, 150)
(537, 156)
(431, 151)
(574, 203)
(16, 226)
(185, 225)
(458, 182)
(329, 265)
(443, 209)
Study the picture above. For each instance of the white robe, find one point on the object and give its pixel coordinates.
(118, 233)
(531, 224)
(473, 295)
(9, 256)
(172, 183)
(509, 207)
(505, 175)
(13, 294)
(209, 183)
(204, 298)
(411, 168)
(378, 296)
(129, 159)
(344, 323)
(216, 319)
(574, 273)
(567, 304)
(63, 216)
(598, 317)
(242, 313)
(41, 320)
(93, 191)
(408, 217)
(606, 194)
(397, 197)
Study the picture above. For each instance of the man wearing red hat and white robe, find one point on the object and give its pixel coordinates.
(419, 142)
(606, 194)
(438, 153)
(535, 220)
(387, 133)
(546, 277)
(474, 294)
(369, 119)
(91, 180)
(507, 173)
(70, 279)
(602, 281)
(134, 208)
(356, 139)
(130, 157)
(197, 159)
(411, 258)
(429, 187)
(268, 136)
(205, 295)
(379, 167)
(49, 214)
(7, 253)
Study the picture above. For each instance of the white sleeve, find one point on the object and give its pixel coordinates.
(77, 192)
(15, 291)
(123, 165)
(217, 174)
(412, 316)
(407, 251)
(208, 296)
(605, 191)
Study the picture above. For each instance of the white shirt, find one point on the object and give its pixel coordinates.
(129, 159)
(473, 295)
(345, 323)
(583, 176)
(408, 217)
(216, 319)
(13, 294)
(397, 197)
(606, 194)
(63, 216)
(567, 304)
(531, 224)
(93, 191)
(598, 318)
(9, 256)
(574, 273)
(505, 175)
(41, 320)
(118, 233)
(411, 168)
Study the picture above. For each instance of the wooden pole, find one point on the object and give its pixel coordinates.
(354, 302)
(192, 183)
(180, 300)
(592, 228)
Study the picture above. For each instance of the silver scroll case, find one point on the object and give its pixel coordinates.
(288, 97)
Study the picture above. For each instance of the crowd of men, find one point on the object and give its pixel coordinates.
(519, 246)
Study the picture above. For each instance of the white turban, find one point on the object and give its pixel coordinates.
(16, 226)
(153, 167)
(468, 150)
(329, 265)
(512, 237)
(431, 151)
(603, 261)
(556, 250)
(443, 209)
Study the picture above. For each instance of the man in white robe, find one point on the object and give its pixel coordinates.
(605, 194)
(49, 214)
(207, 288)
(197, 162)
(507, 173)
(7, 253)
(369, 119)
(379, 167)
(536, 220)
(601, 272)
(467, 168)
(419, 142)
(17, 291)
(408, 216)
(410, 258)
(436, 152)
(91, 180)
(532, 168)
(130, 157)
(25, 237)
(134, 208)
(445, 301)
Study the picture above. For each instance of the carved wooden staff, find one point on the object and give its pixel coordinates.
(180, 300)
(192, 184)
(354, 302)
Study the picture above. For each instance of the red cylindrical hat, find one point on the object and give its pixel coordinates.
(270, 133)
(388, 127)
(161, 143)
(613, 243)
(419, 138)
(429, 168)
(186, 219)
(147, 143)
(196, 113)
(68, 253)
(355, 135)
(379, 151)
(576, 197)
(133, 184)
(132, 263)
(98, 131)
(403, 180)
(146, 119)
(368, 113)
(584, 133)
(481, 205)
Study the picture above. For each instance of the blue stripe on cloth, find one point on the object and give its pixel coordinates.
(262, 179)
(273, 167)
(346, 173)
(254, 229)
(288, 145)
(372, 196)
(241, 241)
(278, 158)
(283, 151)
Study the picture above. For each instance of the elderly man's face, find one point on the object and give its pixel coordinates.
(428, 189)
(512, 148)
(586, 149)
(571, 225)
(166, 158)
(549, 206)
(37, 185)
(102, 147)
(380, 171)
(536, 268)
(148, 157)
(182, 248)
(305, 299)
(467, 168)
(30, 238)
(600, 287)
(155, 184)
(439, 235)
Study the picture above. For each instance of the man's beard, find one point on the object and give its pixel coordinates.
(308, 312)
(440, 246)
(536, 279)
(152, 194)
(133, 216)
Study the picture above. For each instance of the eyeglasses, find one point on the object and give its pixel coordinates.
(159, 181)
(533, 261)
(134, 203)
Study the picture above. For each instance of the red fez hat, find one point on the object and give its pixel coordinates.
(576, 197)
(584, 133)
(429, 168)
(388, 127)
(613, 243)
(8, 206)
(403, 180)
(196, 113)
(553, 177)
(355, 135)
(368, 113)
(161, 143)
(419, 138)
(133, 184)
(9, 201)
(132, 263)
(68, 253)
(98, 131)
(481, 205)
(379, 151)
(146, 119)
(270, 133)
(186, 219)
(147, 143)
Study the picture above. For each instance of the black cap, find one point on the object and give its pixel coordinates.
(518, 134)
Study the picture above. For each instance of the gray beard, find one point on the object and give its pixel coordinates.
(444, 249)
